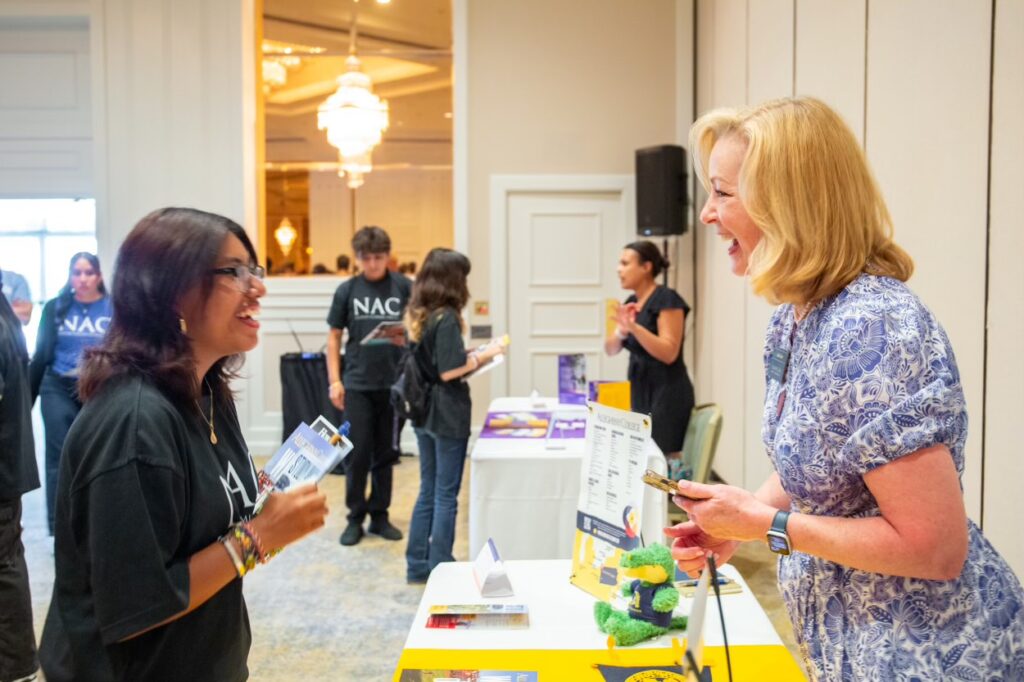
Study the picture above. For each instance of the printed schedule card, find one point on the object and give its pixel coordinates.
(611, 496)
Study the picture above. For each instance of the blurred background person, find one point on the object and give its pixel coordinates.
(363, 391)
(18, 475)
(343, 263)
(17, 292)
(883, 574)
(650, 326)
(75, 320)
(157, 518)
(435, 324)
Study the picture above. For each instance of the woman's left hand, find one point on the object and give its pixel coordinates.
(725, 511)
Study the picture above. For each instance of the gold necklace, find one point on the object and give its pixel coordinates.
(800, 311)
(213, 435)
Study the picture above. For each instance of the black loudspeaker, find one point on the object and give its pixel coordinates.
(661, 195)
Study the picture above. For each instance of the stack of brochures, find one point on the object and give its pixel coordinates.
(479, 616)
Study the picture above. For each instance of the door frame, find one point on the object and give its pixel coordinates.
(502, 187)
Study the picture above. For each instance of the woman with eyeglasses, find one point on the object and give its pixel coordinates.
(156, 516)
(72, 322)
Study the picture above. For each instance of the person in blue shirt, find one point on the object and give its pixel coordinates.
(16, 291)
(73, 321)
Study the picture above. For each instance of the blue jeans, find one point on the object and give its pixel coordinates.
(60, 406)
(432, 531)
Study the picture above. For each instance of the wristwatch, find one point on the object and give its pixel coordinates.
(778, 539)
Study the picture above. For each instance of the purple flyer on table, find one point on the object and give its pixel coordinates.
(572, 379)
(568, 426)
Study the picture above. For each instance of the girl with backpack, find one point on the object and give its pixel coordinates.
(436, 327)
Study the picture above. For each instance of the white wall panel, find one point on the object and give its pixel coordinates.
(769, 75)
(830, 39)
(46, 168)
(1004, 466)
(45, 108)
(292, 304)
(178, 124)
(721, 336)
(45, 81)
(927, 140)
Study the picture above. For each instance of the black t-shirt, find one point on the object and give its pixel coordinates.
(141, 490)
(18, 473)
(642, 365)
(450, 406)
(360, 305)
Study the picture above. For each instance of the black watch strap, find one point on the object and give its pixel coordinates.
(780, 521)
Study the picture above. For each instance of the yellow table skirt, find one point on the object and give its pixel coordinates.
(748, 662)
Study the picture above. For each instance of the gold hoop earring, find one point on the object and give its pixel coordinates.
(182, 325)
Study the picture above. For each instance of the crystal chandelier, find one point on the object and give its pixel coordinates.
(285, 234)
(353, 116)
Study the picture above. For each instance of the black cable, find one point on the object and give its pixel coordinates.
(721, 613)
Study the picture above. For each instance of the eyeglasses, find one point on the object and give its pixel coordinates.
(244, 275)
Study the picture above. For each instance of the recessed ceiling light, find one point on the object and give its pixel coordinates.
(447, 114)
(383, 2)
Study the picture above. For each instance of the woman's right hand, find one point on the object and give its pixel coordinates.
(337, 395)
(692, 545)
(492, 349)
(286, 517)
(625, 317)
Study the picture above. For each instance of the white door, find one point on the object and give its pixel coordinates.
(562, 252)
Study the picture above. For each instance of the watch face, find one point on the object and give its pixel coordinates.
(778, 543)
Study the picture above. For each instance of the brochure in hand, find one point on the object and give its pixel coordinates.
(487, 366)
(306, 457)
(385, 333)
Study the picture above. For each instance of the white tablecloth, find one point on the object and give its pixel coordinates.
(525, 496)
(562, 615)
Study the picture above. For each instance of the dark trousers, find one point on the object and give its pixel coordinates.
(60, 406)
(17, 639)
(373, 454)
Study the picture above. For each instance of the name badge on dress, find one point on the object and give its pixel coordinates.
(777, 362)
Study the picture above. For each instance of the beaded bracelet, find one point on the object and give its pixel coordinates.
(229, 547)
(261, 554)
(249, 553)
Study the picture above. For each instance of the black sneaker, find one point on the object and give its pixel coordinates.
(353, 534)
(385, 530)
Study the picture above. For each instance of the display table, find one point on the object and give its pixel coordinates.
(563, 643)
(525, 496)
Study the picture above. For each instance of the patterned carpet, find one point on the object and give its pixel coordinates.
(321, 611)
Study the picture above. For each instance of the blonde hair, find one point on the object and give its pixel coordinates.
(805, 183)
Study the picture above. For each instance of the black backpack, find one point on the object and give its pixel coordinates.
(410, 394)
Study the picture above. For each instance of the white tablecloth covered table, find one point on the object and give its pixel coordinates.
(563, 642)
(525, 496)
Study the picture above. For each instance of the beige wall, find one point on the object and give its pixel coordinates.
(1003, 464)
(568, 87)
(922, 111)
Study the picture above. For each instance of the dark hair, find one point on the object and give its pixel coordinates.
(166, 254)
(320, 269)
(343, 262)
(66, 293)
(371, 239)
(649, 253)
(441, 283)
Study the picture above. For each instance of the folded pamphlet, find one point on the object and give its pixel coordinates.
(306, 457)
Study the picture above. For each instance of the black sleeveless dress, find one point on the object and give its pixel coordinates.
(661, 390)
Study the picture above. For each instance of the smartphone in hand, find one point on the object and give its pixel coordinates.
(656, 480)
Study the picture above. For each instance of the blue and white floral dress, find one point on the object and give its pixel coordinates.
(871, 378)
